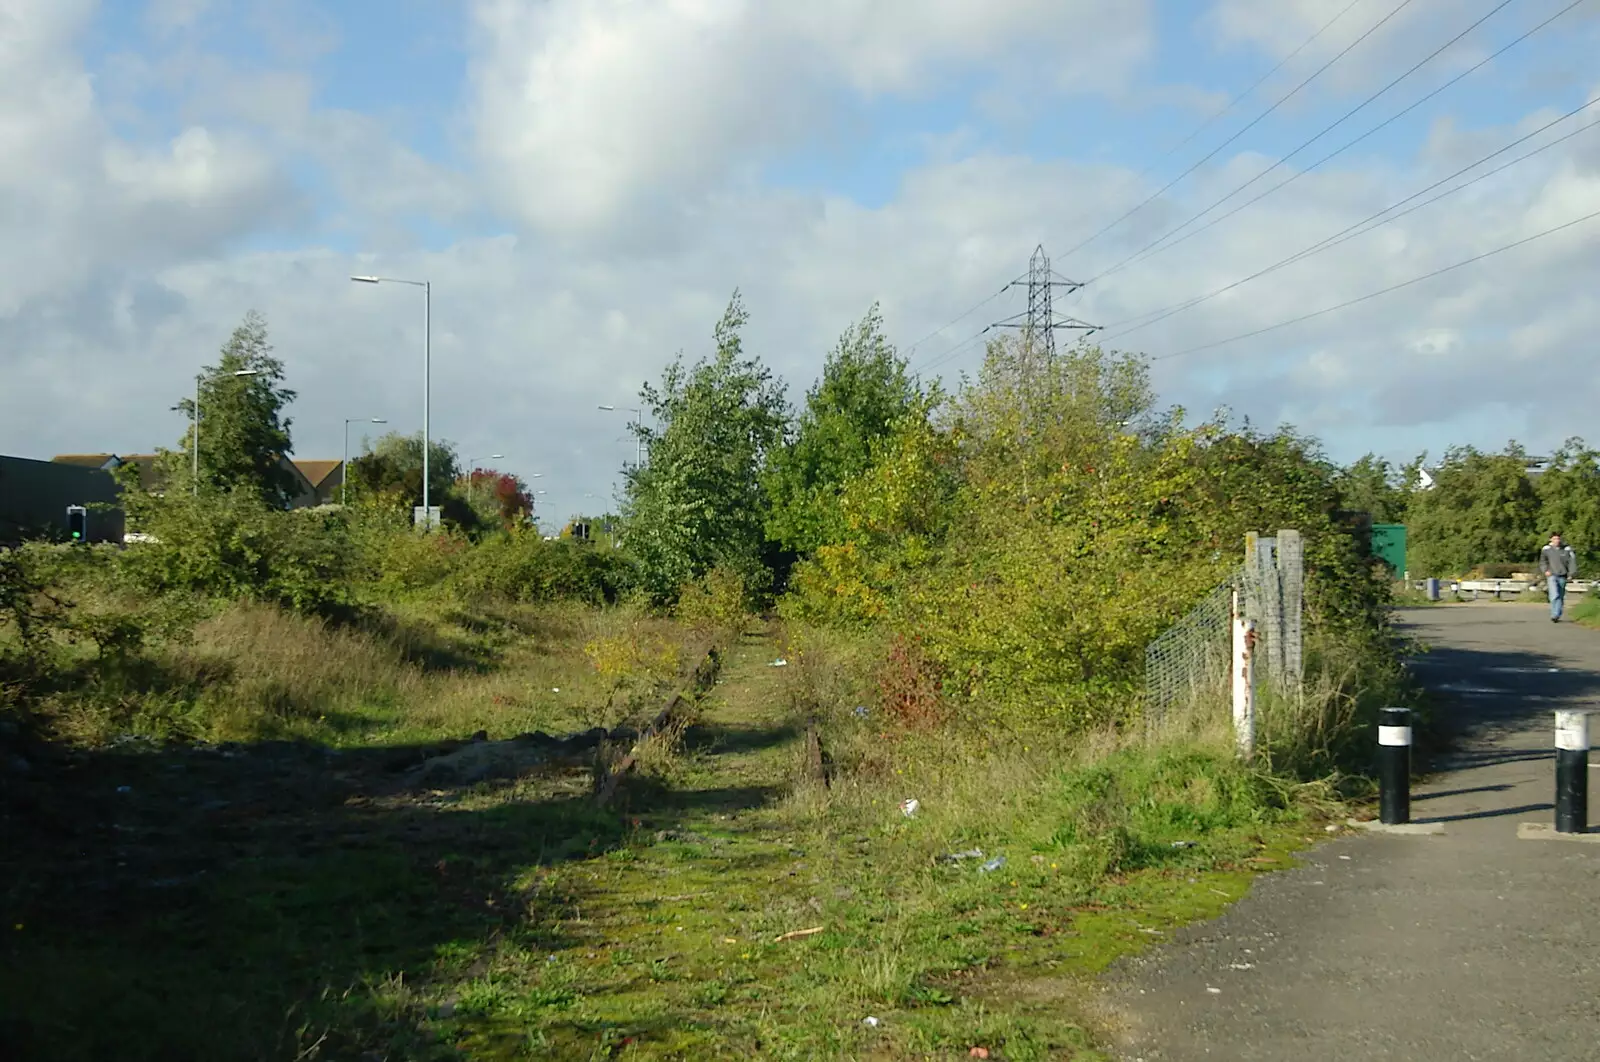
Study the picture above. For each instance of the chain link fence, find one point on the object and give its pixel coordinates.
(1189, 664)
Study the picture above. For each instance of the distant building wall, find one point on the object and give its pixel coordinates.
(34, 496)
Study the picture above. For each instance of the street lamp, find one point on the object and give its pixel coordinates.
(344, 468)
(195, 441)
(427, 361)
(638, 443)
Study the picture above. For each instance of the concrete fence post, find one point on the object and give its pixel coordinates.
(1243, 671)
(1292, 576)
(1394, 766)
(1572, 772)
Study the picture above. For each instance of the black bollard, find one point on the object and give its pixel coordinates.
(1394, 766)
(1572, 772)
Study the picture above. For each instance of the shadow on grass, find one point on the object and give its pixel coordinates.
(717, 739)
(251, 902)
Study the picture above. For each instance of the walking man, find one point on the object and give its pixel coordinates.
(1558, 564)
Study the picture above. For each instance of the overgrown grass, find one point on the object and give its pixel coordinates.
(414, 671)
(279, 905)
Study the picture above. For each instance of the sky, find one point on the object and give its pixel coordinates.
(585, 183)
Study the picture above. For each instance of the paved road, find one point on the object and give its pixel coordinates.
(1472, 945)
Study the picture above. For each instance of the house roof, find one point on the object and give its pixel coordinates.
(146, 463)
(84, 460)
(316, 470)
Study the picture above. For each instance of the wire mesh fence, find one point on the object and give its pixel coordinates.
(1189, 663)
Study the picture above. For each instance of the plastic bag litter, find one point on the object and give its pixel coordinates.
(956, 857)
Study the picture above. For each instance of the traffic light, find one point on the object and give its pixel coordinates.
(78, 523)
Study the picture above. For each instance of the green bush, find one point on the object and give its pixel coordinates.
(1035, 535)
(519, 565)
(232, 545)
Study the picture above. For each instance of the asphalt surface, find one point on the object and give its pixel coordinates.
(1470, 945)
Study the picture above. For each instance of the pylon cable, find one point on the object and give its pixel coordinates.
(1372, 221)
(1209, 122)
(957, 349)
(1382, 291)
(1252, 124)
(1158, 246)
(911, 350)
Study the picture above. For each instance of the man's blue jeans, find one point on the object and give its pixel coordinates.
(1557, 588)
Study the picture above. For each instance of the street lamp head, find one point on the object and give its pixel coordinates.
(379, 420)
(609, 408)
(247, 372)
(365, 280)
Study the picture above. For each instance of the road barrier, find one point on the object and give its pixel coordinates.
(1572, 772)
(1394, 766)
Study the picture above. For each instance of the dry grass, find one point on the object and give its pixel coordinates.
(286, 671)
(254, 672)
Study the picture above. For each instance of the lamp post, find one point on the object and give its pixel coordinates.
(195, 441)
(638, 443)
(427, 362)
(344, 467)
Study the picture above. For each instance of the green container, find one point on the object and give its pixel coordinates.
(1389, 546)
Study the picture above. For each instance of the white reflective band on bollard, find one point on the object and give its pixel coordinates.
(1572, 731)
(1394, 735)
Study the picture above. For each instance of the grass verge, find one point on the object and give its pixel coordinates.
(298, 901)
(1587, 612)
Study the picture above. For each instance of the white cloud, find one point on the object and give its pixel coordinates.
(121, 273)
(598, 115)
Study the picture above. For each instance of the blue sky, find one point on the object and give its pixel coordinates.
(587, 180)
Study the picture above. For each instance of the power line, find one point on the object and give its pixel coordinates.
(911, 350)
(957, 349)
(1382, 291)
(1371, 222)
(1209, 122)
(1159, 245)
(1252, 124)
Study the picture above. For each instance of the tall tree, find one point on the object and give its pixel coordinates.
(1482, 509)
(697, 501)
(393, 469)
(864, 391)
(244, 434)
(1373, 486)
(1569, 496)
(499, 499)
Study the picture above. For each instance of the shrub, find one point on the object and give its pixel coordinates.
(909, 684)
(232, 545)
(719, 600)
(519, 565)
